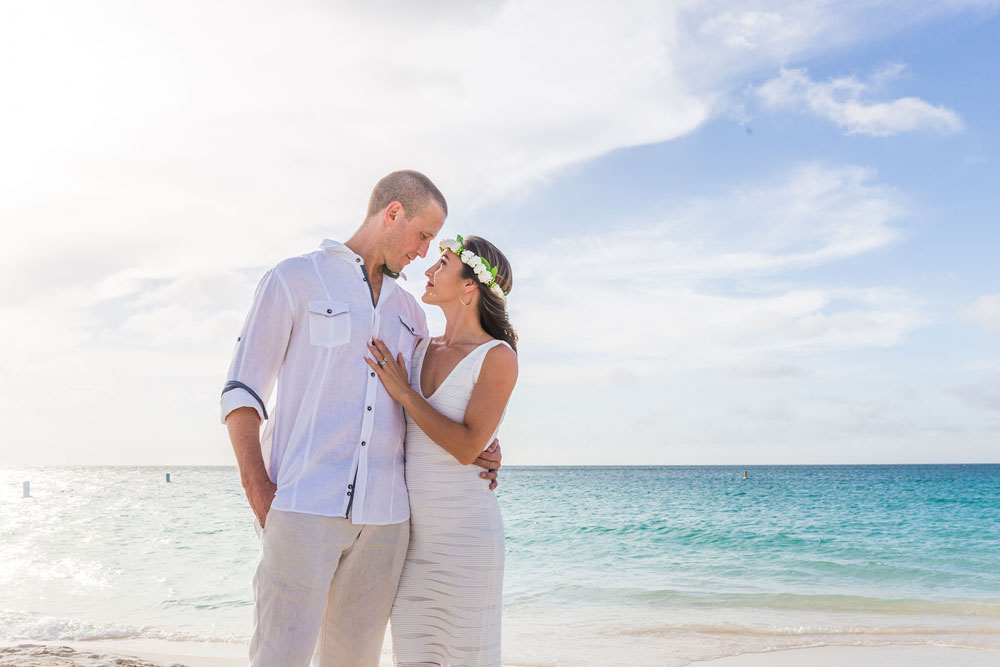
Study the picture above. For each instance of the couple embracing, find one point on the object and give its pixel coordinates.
(372, 481)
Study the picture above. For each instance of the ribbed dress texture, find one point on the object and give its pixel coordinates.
(447, 607)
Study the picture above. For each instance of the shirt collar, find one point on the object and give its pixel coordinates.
(337, 247)
(342, 250)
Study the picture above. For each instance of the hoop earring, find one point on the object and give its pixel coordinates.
(464, 303)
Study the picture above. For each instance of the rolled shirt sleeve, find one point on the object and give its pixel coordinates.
(260, 348)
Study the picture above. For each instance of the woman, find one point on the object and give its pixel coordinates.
(447, 607)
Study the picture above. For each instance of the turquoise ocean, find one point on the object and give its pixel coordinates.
(605, 565)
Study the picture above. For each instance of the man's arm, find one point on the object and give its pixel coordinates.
(244, 432)
(259, 353)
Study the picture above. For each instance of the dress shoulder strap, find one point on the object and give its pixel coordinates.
(477, 364)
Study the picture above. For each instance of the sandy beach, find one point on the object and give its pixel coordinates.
(124, 653)
(155, 653)
(862, 656)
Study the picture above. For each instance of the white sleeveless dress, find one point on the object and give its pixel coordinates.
(447, 607)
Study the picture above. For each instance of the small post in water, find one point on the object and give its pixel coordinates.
(168, 477)
(27, 489)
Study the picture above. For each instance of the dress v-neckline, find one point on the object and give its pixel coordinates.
(420, 375)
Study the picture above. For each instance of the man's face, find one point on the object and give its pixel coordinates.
(410, 237)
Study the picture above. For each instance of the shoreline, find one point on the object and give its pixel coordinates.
(122, 652)
(911, 655)
(133, 653)
(165, 653)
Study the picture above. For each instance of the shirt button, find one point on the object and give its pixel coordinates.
(350, 486)
(363, 443)
(329, 311)
(373, 375)
(365, 279)
(369, 408)
(357, 259)
(348, 493)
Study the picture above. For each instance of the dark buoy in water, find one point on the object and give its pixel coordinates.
(745, 475)
(168, 477)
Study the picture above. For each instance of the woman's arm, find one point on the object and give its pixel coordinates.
(465, 441)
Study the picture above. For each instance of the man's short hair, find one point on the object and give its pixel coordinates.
(410, 188)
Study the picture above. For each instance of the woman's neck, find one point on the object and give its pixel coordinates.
(462, 325)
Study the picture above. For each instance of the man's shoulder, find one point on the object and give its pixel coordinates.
(301, 267)
(297, 276)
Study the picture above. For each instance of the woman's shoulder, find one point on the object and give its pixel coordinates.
(503, 349)
(500, 360)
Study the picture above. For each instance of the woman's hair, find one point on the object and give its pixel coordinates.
(492, 309)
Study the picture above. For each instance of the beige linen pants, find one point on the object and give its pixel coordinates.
(323, 589)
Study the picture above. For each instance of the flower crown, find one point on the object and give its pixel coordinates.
(487, 274)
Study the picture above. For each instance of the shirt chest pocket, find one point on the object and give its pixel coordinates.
(329, 323)
(407, 339)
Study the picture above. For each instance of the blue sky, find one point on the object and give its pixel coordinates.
(754, 232)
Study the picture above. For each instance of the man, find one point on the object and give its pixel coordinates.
(325, 480)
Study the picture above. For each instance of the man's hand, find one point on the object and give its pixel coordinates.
(260, 494)
(244, 431)
(490, 459)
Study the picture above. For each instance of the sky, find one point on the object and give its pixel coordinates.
(741, 232)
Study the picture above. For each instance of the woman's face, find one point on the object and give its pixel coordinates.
(444, 280)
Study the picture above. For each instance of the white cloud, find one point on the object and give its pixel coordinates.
(700, 417)
(984, 393)
(842, 101)
(768, 368)
(281, 123)
(708, 285)
(231, 142)
(985, 312)
(748, 30)
(728, 42)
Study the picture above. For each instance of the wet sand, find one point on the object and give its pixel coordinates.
(158, 653)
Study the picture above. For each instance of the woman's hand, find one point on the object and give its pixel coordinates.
(392, 372)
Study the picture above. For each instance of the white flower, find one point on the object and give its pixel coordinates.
(474, 262)
(449, 244)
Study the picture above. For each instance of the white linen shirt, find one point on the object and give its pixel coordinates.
(333, 443)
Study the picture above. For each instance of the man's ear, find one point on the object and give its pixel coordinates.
(393, 213)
